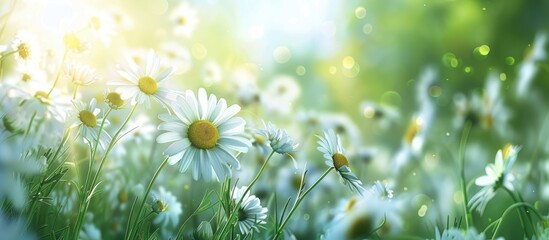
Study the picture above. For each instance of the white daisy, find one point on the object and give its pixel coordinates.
(176, 55)
(497, 176)
(185, 19)
(79, 74)
(250, 212)
(203, 132)
(14, 228)
(281, 94)
(165, 204)
(334, 154)
(86, 119)
(103, 26)
(141, 86)
(456, 233)
(279, 140)
(25, 47)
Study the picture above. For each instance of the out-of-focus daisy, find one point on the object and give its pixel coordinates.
(383, 115)
(211, 73)
(250, 212)
(15, 165)
(141, 86)
(76, 43)
(25, 47)
(334, 154)
(102, 24)
(177, 56)
(281, 94)
(497, 176)
(185, 19)
(14, 229)
(362, 216)
(89, 124)
(165, 204)
(204, 231)
(244, 81)
(343, 125)
(456, 233)
(203, 132)
(485, 109)
(278, 139)
(79, 74)
(528, 68)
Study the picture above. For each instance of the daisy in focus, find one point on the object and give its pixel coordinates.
(141, 86)
(89, 125)
(279, 140)
(334, 154)
(79, 74)
(250, 213)
(497, 176)
(203, 133)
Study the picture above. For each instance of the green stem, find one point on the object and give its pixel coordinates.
(89, 192)
(75, 91)
(508, 210)
(237, 206)
(515, 200)
(298, 201)
(147, 192)
(464, 137)
(58, 71)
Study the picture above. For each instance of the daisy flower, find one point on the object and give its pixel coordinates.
(456, 233)
(140, 86)
(203, 132)
(168, 208)
(89, 124)
(79, 74)
(334, 154)
(25, 47)
(279, 140)
(497, 176)
(250, 213)
(184, 17)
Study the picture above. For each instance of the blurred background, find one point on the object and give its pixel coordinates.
(397, 79)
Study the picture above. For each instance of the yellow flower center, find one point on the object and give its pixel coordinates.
(203, 134)
(72, 41)
(350, 204)
(360, 228)
(114, 100)
(26, 77)
(340, 160)
(413, 130)
(43, 97)
(148, 85)
(23, 50)
(260, 140)
(506, 151)
(181, 20)
(123, 196)
(87, 118)
(161, 207)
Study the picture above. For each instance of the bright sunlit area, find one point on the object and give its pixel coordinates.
(287, 119)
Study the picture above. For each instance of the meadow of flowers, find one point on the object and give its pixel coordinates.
(274, 119)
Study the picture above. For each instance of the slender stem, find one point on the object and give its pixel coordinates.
(528, 215)
(59, 71)
(75, 91)
(515, 200)
(147, 192)
(237, 206)
(508, 210)
(87, 200)
(8, 17)
(299, 200)
(464, 137)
